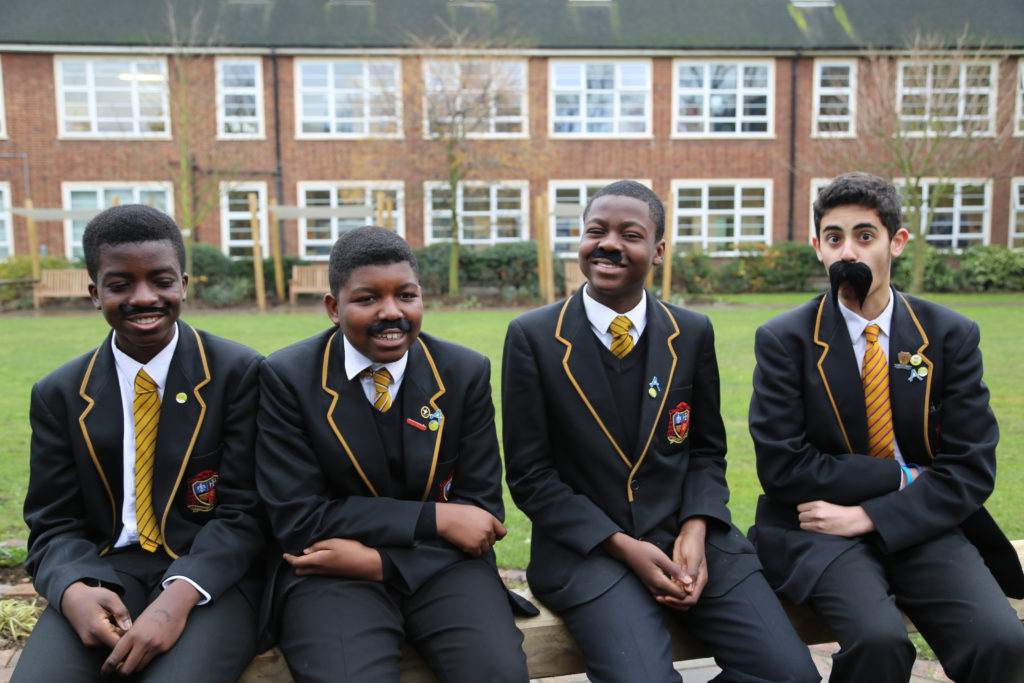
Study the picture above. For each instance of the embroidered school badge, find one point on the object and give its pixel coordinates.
(201, 494)
(446, 488)
(678, 423)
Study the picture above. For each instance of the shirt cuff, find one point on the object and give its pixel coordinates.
(205, 596)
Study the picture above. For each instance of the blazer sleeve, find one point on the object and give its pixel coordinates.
(59, 549)
(567, 517)
(300, 503)
(705, 491)
(964, 467)
(476, 479)
(791, 468)
(225, 548)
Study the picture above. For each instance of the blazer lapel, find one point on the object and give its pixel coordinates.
(661, 332)
(583, 368)
(422, 388)
(183, 410)
(349, 418)
(909, 391)
(102, 425)
(840, 376)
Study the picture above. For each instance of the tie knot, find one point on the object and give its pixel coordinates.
(144, 384)
(871, 333)
(620, 326)
(380, 376)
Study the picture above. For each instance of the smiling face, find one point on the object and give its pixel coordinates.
(140, 287)
(617, 249)
(379, 310)
(856, 234)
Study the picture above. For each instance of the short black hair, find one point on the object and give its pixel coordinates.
(129, 224)
(861, 189)
(631, 188)
(369, 245)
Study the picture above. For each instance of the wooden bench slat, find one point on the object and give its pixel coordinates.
(68, 283)
(308, 280)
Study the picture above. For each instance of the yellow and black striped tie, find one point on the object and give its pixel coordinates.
(381, 382)
(147, 418)
(622, 342)
(876, 396)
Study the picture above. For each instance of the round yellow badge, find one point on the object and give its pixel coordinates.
(180, 397)
(915, 359)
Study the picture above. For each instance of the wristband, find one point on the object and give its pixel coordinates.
(908, 474)
(916, 467)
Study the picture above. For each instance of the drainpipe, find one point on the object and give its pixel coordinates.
(792, 142)
(277, 143)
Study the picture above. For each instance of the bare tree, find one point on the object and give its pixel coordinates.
(470, 94)
(925, 117)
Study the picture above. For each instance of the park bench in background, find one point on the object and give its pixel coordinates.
(68, 283)
(574, 277)
(308, 280)
(550, 650)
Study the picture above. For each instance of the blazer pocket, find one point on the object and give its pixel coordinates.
(673, 429)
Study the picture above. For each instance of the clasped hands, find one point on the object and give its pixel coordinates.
(100, 618)
(675, 582)
(471, 529)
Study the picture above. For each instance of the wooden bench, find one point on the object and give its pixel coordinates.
(308, 280)
(574, 277)
(550, 650)
(66, 283)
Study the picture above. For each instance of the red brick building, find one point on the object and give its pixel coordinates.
(734, 111)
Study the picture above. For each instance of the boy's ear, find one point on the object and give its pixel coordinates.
(331, 304)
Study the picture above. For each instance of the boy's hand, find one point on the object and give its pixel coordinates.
(662, 577)
(688, 553)
(155, 631)
(471, 529)
(97, 614)
(838, 520)
(338, 557)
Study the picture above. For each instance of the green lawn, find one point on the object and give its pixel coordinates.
(30, 347)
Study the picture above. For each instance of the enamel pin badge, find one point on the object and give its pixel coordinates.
(433, 418)
(912, 363)
(653, 388)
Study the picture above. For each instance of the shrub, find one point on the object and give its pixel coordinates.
(942, 271)
(991, 268)
(19, 268)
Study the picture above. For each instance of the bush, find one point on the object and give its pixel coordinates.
(992, 268)
(19, 268)
(942, 271)
(512, 264)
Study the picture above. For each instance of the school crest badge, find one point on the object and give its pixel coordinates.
(201, 494)
(446, 488)
(678, 423)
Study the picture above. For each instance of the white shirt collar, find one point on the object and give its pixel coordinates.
(856, 324)
(600, 316)
(356, 362)
(157, 368)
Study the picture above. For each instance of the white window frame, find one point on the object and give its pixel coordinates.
(434, 72)
(738, 212)
(991, 92)
(136, 90)
(617, 92)
(369, 216)
(817, 185)
(957, 211)
(331, 92)
(227, 215)
(706, 92)
(256, 91)
(3, 117)
(817, 118)
(1018, 118)
(1016, 231)
(100, 188)
(6, 223)
(494, 213)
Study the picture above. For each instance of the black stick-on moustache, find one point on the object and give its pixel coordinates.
(381, 326)
(613, 256)
(857, 275)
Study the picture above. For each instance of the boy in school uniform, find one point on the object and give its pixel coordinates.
(379, 464)
(144, 525)
(876, 448)
(615, 449)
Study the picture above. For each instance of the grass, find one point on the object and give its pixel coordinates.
(30, 347)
